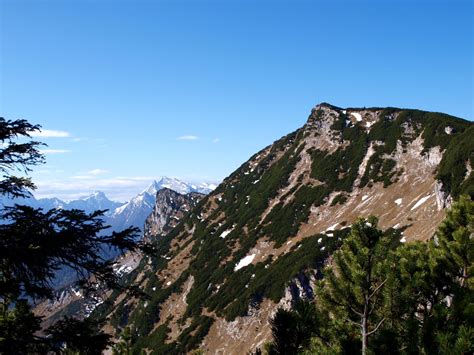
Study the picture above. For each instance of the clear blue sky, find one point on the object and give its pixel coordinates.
(126, 79)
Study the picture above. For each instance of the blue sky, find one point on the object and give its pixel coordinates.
(122, 81)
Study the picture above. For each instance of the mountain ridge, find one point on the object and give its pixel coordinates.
(261, 238)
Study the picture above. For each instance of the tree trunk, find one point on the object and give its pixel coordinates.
(364, 335)
(365, 314)
(464, 275)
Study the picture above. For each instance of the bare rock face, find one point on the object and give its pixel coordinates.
(170, 207)
(443, 199)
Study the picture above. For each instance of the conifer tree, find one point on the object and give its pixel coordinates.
(429, 296)
(408, 295)
(35, 244)
(124, 345)
(351, 289)
(80, 337)
(454, 245)
(292, 329)
(452, 252)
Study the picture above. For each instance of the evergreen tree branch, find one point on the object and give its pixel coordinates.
(376, 328)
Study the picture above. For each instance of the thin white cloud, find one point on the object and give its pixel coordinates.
(50, 133)
(96, 172)
(82, 177)
(137, 178)
(91, 174)
(49, 171)
(78, 139)
(117, 188)
(216, 140)
(187, 138)
(54, 151)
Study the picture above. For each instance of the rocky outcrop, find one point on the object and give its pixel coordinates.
(443, 198)
(170, 207)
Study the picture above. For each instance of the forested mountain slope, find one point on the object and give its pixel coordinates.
(260, 240)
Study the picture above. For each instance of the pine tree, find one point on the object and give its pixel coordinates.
(351, 289)
(17, 157)
(420, 295)
(292, 329)
(124, 345)
(82, 337)
(429, 298)
(454, 244)
(452, 252)
(408, 296)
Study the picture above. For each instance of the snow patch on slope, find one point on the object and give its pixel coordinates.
(357, 116)
(420, 202)
(331, 228)
(225, 233)
(244, 262)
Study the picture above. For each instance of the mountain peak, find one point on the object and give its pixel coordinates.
(177, 185)
(326, 105)
(152, 188)
(139, 207)
(97, 195)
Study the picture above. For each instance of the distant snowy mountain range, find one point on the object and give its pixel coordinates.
(135, 212)
(119, 215)
(95, 201)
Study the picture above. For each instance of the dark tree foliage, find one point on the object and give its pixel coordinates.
(19, 157)
(83, 337)
(292, 330)
(35, 244)
(17, 329)
(124, 345)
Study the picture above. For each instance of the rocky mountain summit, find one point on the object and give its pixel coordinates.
(170, 207)
(261, 238)
(179, 186)
(96, 201)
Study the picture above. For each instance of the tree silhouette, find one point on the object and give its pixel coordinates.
(35, 244)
